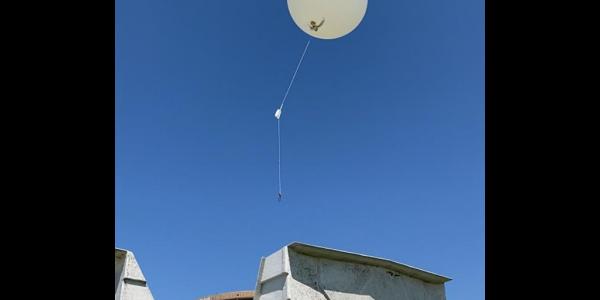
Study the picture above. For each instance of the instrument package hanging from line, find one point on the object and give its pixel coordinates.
(322, 19)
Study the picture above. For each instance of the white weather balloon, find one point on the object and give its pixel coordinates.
(327, 19)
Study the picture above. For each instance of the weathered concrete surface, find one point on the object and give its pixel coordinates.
(238, 295)
(299, 271)
(130, 283)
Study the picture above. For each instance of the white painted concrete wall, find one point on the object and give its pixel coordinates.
(130, 283)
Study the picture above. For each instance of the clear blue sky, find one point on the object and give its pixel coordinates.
(383, 139)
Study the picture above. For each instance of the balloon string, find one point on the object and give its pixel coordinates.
(295, 72)
(280, 193)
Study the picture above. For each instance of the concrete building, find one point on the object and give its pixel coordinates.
(130, 283)
(305, 272)
(302, 272)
